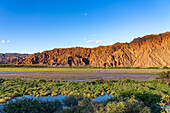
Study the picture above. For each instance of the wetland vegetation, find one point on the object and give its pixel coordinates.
(76, 105)
(129, 96)
(21, 69)
(145, 94)
(164, 75)
(33, 68)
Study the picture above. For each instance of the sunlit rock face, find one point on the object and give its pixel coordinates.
(148, 51)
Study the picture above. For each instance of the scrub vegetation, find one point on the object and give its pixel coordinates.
(164, 75)
(32, 106)
(11, 68)
(74, 105)
(142, 94)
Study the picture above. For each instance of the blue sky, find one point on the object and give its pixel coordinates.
(29, 26)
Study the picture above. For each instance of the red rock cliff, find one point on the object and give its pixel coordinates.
(148, 51)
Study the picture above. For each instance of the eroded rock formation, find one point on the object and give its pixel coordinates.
(12, 58)
(148, 51)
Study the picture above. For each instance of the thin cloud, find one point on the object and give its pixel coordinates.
(84, 39)
(85, 14)
(98, 41)
(8, 41)
(93, 35)
(91, 41)
(2, 41)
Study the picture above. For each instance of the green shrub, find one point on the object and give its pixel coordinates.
(26, 105)
(99, 81)
(87, 106)
(165, 67)
(41, 80)
(70, 101)
(49, 80)
(153, 68)
(126, 81)
(2, 80)
(128, 106)
(124, 106)
(165, 75)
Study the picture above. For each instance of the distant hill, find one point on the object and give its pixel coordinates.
(148, 51)
(9, 58)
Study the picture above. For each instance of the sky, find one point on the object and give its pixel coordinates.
(30, 26)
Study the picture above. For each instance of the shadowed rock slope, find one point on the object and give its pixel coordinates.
(8, 58)
(148, 51)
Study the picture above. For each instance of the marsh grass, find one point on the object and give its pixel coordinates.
(119, 70)
(155, 89)
(151, 93)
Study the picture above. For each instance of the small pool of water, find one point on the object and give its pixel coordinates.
(59, 97)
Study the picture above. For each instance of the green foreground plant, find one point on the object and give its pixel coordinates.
(150, 93)
(26, 105)
(164, 75)
(118, 105)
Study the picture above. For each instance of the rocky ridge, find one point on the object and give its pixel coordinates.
(9, 58)
(148, 51)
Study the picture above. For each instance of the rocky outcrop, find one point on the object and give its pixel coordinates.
(12, 58)
(148, 51)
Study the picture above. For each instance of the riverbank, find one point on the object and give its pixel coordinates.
(77, 75)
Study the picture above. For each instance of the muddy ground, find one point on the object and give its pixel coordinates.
(77, 75)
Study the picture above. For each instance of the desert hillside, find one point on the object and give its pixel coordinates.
(6, 58)
(148, 51)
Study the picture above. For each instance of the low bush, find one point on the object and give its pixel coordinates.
(41, 80)
(153, 68)
(71, 101)
(129, 106)
(2, 80)
(165, 67)
(26, 105)
(126, 81)
(165, 75)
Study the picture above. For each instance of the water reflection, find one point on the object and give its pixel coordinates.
(59, 97)
(100, 98)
